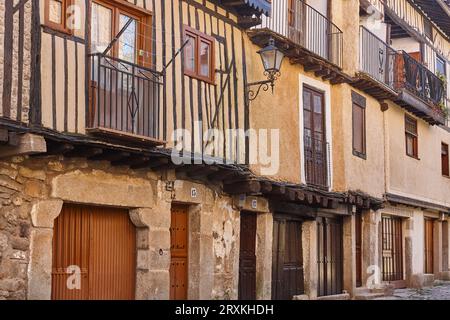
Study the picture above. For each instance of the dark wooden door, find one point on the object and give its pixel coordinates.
(179, 253)
(392, 248)
(358, 248)
(102, 243)
(247, 257)
(428, 246)
(314, 138)
(287, 259)
(329, 256)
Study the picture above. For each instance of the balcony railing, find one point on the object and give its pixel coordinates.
(416, 78)
(306, 27)
(316, 162)
(376, 58)
(124, 98)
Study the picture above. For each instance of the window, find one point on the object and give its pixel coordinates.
(412, 148)
(359, 128)
(199, 55)
(359, 125)
(134, 44)
(55, 12)
(440, 66)
(428, 29)
(445, 160)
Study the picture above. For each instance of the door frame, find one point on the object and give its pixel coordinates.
(254, 216)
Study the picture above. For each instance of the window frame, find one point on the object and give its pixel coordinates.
(61, 27)
(414, 135)
(443, 157)
(441, 59)
(360, 102)
(359, 153)
(142, 16)
(199, 38)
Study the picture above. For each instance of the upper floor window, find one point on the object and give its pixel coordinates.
(199, 55)
(55, 12)
(441, 66)
(133, 28)
(428, 29)
(445, 160)
(412, 145)
(359, 125)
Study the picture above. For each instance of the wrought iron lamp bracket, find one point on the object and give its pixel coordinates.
(263, 85)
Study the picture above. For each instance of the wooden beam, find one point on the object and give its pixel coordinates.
(244, 187)
(28, 144)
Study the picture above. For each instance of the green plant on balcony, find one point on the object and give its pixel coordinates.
(443, 104)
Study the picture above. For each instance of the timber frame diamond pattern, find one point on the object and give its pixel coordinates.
(133, 128)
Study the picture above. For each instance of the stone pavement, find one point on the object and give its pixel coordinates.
(440, 291)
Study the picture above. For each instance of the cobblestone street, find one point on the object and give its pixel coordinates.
(440, 291)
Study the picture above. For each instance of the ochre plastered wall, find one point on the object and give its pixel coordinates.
(418, 178)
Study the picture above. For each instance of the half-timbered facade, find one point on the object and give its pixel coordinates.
(146, 123)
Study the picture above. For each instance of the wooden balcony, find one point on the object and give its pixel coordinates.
(394, 75)
(306, 36)
(124, 101)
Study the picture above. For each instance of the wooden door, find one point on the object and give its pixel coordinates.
(314, 138)
(247, 257)
(287, 259)
(329, 256)
(392, 248)
(102, 243)
(428, 246)
(358, 248)
(179, 253)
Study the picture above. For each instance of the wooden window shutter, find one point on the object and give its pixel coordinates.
(359, 125)
(445, 160)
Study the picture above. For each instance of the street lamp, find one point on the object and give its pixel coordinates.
(272, 59)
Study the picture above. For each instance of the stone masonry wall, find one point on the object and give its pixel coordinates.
(28, 182)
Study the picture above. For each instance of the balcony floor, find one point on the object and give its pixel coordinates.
(299, 55)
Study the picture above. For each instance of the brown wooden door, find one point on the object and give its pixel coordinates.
(392, 248)
(102, 243)
(247, 257)
(358, 248)
(287, 263)
(428, 246)
(329, 256)
(314, 137)
(179, 253)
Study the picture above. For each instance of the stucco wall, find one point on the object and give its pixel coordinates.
(352, 172)
(421, 179)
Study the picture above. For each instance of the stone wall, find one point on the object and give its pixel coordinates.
(32, 191)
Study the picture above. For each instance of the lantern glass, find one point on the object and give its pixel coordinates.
(271, 57)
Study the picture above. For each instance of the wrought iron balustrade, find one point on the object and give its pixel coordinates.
(317, 166)
(124, 97)
(416, 78)
(376, 58)
(306, 27)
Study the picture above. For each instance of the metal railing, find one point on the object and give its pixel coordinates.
(317, 164)
(124, 97)
(376, 58)
(415, 77)
(306, 27)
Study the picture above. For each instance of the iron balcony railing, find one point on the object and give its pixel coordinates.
(317, 165)
(376, 58)
(124, 97)
(415, 77)
(306, 27)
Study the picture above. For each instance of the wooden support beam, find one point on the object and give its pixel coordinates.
(266, 187)
(84, 152)
(221, 175)
(28, 144)
(111, 155)
(133, 160)
(290, 194)
(203, 173)
(300, 196)
(59, 149)
(243, 187)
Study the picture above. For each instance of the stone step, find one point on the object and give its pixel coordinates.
(369, 296)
